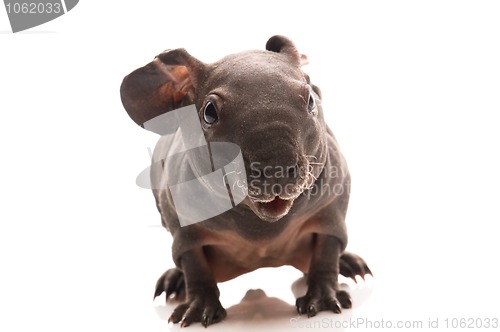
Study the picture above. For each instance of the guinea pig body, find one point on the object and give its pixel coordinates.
(295, 180)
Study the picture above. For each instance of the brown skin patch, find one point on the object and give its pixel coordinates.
(231, 255)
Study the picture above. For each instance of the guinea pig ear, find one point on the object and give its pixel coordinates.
(166, 83)
(281, 44)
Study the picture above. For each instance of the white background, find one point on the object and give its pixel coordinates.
(411, 90)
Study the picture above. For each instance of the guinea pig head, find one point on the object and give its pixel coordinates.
(260, 100)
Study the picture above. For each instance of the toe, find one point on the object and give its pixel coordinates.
(333, 305)
(352, 265)
(178, 313)
(208, 316)
(312, 310)
(171, 282)
(346, 270)
(301, 305)
(345, 299)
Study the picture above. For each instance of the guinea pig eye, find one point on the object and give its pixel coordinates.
(311, 103)
(210, 113)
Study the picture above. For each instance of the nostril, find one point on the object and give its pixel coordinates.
(293, 171)
(256, 173)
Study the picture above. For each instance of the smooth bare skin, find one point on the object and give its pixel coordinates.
(263, 102)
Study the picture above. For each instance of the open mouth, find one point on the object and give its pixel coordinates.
(274, 209)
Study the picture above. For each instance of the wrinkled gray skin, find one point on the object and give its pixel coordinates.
(267, 106)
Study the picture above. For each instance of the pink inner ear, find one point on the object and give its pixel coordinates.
(303, 60)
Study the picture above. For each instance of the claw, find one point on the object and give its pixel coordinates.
(311, 311)
(171, 282)
(333, 305)
(344, 299)
(300, 306)
(351, 265)
(185, 323)
(346, 270)
(206, 320)
(367, 271)
(171, 319)
(158, 292)
(208, 317)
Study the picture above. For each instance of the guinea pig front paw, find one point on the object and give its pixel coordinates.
(323, 297)
(204, 308)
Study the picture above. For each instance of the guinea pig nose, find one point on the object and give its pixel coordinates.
(269, 171)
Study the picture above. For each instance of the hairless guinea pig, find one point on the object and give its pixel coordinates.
(296, 182)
